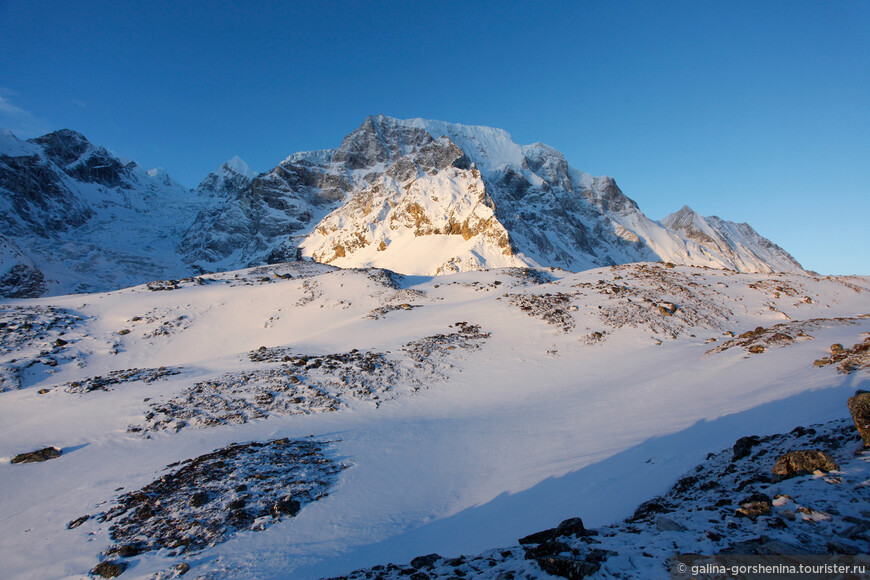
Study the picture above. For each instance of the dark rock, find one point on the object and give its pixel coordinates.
(743, 446)
(425, 561)
(571, 527)
(566, 567)
(684, 484)
(647, 508)
(538, 537)
(764, 546)
(181, 568)
(859, 407)
(757, 504)
(127, 550)
(802, 462)
(200, 498)
(550, 548)
(109, 569)
(287, 506)
(801, 431)
(37, 456)
(777, 523)
(838, 546)
(757, 478)
(77, 522)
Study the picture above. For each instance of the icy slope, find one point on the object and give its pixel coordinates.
(450, 414)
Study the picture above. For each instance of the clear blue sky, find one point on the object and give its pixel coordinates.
(753, 111)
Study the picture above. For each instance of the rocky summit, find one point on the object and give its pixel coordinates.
(414, 196)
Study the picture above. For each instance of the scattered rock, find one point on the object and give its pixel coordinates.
(802, 462)
(37, 456)
(555, 308)
(101, 383)
(848, 360)
(199, 505)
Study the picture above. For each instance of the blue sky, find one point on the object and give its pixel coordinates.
(753, 111)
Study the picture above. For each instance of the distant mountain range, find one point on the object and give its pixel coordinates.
(414, 196)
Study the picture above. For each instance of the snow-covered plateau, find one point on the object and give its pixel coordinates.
(300, 421)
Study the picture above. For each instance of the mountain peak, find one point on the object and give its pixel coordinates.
(228, 180)
(64, 146)
(237, 165)
(680, 218)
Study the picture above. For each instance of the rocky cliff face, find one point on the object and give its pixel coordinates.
(19, 276)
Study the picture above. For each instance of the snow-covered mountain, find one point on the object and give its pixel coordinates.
(414, 196)
(86, 219)
(428, 197)
(713, 238)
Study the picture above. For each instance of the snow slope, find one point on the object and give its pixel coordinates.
(469, 409)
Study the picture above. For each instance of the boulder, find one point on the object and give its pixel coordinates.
(859, 407)
(37, 456)
(757, 504)
(109, 569)
(743, 446)
(569, 527)
(567, 567)
(802, 462)
(550, 548)
(424, 561)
